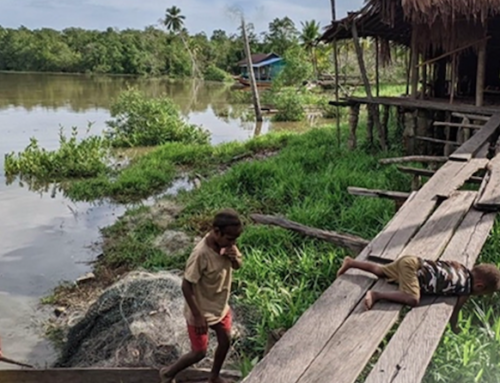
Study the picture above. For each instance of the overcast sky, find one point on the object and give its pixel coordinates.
(201, 15)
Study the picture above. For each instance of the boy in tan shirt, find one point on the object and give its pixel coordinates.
(206, 287)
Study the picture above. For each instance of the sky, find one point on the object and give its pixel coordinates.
(201, 15)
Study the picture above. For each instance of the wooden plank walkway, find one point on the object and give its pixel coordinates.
(336, 337)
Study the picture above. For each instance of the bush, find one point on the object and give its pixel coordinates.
(74, 159)
(143, 121)
(297, 69)
(290, 106)
(212, 73)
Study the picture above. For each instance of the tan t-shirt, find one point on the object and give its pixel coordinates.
(211, 276)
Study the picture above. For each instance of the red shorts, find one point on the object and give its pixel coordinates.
(200, 342)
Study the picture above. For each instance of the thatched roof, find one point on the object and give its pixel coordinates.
(439, 24)
(429, 11)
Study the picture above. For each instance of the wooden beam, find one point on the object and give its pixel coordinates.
(336, 304)
(410, 350)
(481, 73)
(454, 51)
(347, 352)
(398, 196)
(457, 125)
(351, 242)
(423, 159)
(430, 173)
(476, 142)
(437, 141)
(476, 117)
(106, 375)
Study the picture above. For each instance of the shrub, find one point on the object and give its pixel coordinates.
(212, 73)
(143, 121)
(290, 106)
(74, 159)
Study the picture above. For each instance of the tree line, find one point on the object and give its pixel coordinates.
(167, 49)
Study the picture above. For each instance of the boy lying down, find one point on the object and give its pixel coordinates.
(416, 276)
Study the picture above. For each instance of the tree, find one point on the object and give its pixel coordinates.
(282, 35)
(174, 22)
(308, 37)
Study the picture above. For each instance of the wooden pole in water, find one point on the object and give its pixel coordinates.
(371, 106)
(481, 70)
(251, 75)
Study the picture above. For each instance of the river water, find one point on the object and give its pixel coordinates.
(46, 238)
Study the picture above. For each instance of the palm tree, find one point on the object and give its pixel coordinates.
(308, 37)
(174, 22)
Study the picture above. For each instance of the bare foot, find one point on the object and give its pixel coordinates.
(217, 380)
(164, 378)
(369, 300)
(345, 266)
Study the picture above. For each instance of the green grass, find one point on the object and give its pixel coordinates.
(155, 171)
(284, 273)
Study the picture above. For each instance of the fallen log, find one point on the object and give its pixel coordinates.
(352, 242)
(424, 159)
(398, 196)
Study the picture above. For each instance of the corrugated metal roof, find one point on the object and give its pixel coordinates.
(267, 62)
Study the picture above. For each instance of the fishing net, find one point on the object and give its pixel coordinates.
(138, 322)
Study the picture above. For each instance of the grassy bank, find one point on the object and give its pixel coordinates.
(285, 273)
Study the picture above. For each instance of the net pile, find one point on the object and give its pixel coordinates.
(138, 322)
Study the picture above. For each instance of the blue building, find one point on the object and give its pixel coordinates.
(265, 67)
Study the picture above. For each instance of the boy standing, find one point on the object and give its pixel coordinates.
(206, 287)
(417, 276)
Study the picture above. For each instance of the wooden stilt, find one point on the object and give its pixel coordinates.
(414, 65)
(369, 126)
(353, 126)
(377, 67)
(362, 68)
(481, 70)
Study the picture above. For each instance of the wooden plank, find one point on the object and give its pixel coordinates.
(437, 140)
(410, 350)
(451, 176)
(457, 125)
(476, 117)
(438, 105)
(423, 159)
(475, 143)
(105, 375)
(347, 352)
(349, 241)
(398, 196)
(281, 365)
(430, 173)
(490, 197)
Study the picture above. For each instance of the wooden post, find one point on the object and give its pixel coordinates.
(362, 68)
(453, 78)
(414, 65)
(377, 68)
(369, 127)
(408, 71)
(385, 120)
(353, 126)
(251, 75)
(481, 70)
(336, 65)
